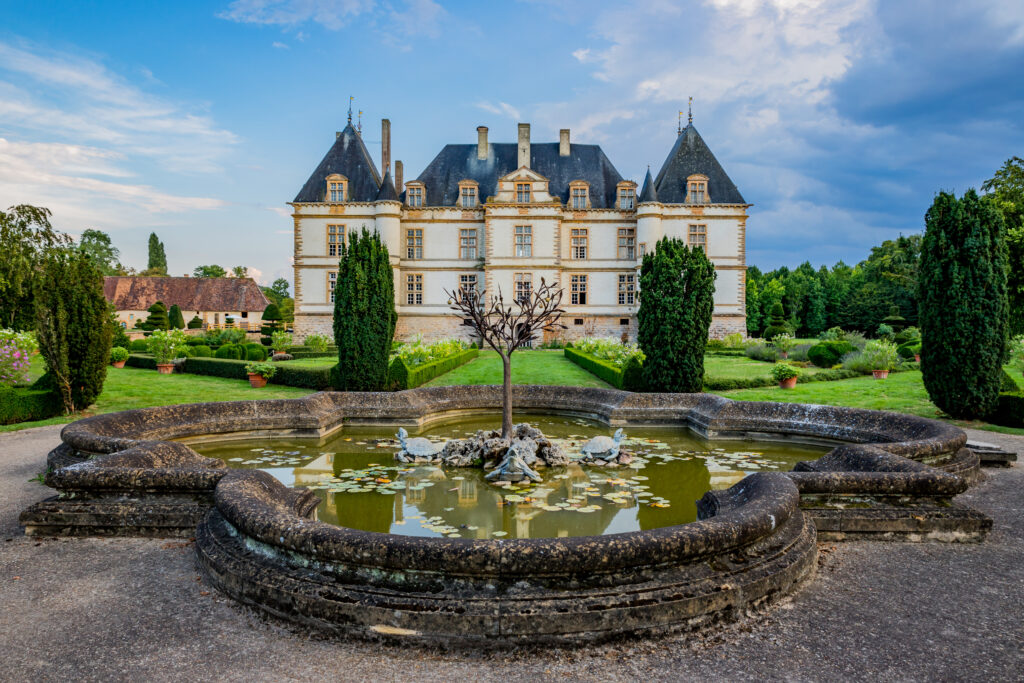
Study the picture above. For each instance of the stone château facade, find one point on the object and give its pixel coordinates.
(504, 215)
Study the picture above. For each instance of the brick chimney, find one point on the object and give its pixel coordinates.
(385, 146)
(398, 176)
(563, 142)
(481, 142)
(524, 145)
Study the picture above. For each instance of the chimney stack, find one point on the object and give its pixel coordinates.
(524, 145)
(481, 142)
(563, 142)
(398, 176)
(385, 146)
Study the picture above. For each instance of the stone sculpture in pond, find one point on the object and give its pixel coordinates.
(513, 468)
(603, 450)
(416, 449)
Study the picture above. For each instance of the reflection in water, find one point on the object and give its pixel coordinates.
(361, 485)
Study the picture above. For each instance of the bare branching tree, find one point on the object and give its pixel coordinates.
(506, 328)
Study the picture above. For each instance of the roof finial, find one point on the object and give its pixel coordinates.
(350, 98)
(359, 123)
(689, 119)
(679, 124)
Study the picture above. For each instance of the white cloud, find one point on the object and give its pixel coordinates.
(582, 54)
(279, 45)
(502, 109)
(333, 14)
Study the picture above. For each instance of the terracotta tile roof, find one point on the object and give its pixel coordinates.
(190, 293)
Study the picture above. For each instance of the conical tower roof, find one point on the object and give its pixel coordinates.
(387, 192)
(349, 157)
(691, 155)
(647, 193)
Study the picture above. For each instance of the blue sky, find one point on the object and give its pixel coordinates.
(838, 120)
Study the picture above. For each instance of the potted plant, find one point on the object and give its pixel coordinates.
(164, 345)
(783, 342)
(785, 374)
(259, 373)
(279, 342)
(118, 356)
(880, 357)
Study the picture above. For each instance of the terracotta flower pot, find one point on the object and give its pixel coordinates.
(917, 358)
(788, 383)
(257, 381)
(165, 368)
(880, 374)
(119, 363)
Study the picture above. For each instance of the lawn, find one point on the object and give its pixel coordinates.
(539, 366)
(130, 388)
(741, 367)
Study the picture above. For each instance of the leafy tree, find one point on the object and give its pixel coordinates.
(816, 318)
(73, 325)
(240, 271)
(677, 286)
(157, 264)
(157, 319)
(25, 236)
(1006, 190)
(97, 245)
(364, 314)
(963, 304)
(280, 288)
(175, 318)
(209, 271)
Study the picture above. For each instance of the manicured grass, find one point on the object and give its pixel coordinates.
(310, 362)
(540, 366)
(130, 388)
(741, 367)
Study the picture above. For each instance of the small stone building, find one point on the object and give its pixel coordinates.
(212, 299)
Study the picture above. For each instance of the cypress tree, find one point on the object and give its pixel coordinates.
(364, 314)
(963, 308)
(73, 326)
(157, 319)
(677, 286)
(175, 318)
(157, 257)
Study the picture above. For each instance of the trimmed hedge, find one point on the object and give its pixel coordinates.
(202, 351)
(401, 376)
(729, 383)
(255, 351)
(140, 360)
(828, 353)
(1006, 383)
(1009, 410)
(724, 352)
(311, 354)
(629, 378)
(230, 351)
(26, 404)
(140, 345)
(304, 377)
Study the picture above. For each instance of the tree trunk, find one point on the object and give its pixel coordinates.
(506, 407)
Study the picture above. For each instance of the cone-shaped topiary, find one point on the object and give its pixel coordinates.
(175, 318)
(73, 326)
(677, 286)
(894, 320)
(157, 319)
(962, 304)
(271, 323)
(195, 323)
(364, 314)
(777, 323)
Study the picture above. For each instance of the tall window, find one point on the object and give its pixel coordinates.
(643, 249)
(699, 236)
(414, 195)
(467, 243)
(468, 282)
(414, 289)
(468, 196)
(579, 290)
(332, 282)
(524, 241)
(414, 243)
(579, 243)
(523, 193)
(524, 283)
(698, 192)
(627, 289)
(336, 190)
(627, 244)
(335, 238)
(579, 197)
(627, 198)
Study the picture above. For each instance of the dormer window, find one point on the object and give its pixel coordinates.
(337, 188)
(414, 194)
(697, 190)
(467, 194)
(523, 193)
(579, 195)
(626, 195)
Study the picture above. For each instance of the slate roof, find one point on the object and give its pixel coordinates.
(459, 162)
(647, 193)
(349, 157)
(190, 293)
(387, 189)
(691, 155)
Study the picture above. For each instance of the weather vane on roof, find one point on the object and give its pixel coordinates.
(679, 124)
(350, 98)
(359, 124)
(689, 118)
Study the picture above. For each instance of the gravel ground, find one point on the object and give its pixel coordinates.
(130, 609)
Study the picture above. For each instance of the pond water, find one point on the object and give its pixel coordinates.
(362, 486)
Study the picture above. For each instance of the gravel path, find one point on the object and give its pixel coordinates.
(129, 609)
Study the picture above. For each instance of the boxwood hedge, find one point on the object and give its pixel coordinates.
(26, 404)
(401, 376)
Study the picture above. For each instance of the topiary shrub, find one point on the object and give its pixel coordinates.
(271, 323)
(677, 286)
(255, 352)
(195, 323)
(894, 320)
(202, 351)
(963, 309)
(230, 351)
(139, 346)
(827, 354)
(777, 323)
(175, 318)
(118, 354)
(1007, 383)
(157, 319)
(909, 349)
(1009, 410)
